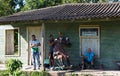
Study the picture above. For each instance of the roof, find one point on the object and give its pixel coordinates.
(67, 12)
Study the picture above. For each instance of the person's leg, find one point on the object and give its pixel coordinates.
(38, 59)
(52, 59)
(68, 61)
(63, 58)
(85, 63)
(88, 65)
(60, 59)
(92, 64)
(34, 62)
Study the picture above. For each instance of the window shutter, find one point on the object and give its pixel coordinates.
(9, 42)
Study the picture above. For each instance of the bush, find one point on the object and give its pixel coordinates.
(13, 66)
(4, 73)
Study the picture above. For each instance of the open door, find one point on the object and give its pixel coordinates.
(36, 30)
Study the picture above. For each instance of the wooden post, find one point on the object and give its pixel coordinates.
(42, 47)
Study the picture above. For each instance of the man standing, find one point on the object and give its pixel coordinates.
(51, 46)
(88, 59)
(62, 42)
(34, 44)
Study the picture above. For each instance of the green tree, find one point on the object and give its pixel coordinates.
(8, 7)
(5, 8)
(33, 4)
(36, 4)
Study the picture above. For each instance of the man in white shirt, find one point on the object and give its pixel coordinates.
(34, 45)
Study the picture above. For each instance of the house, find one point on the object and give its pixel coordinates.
(95, 25)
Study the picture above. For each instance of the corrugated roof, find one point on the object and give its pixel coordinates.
(68, 11)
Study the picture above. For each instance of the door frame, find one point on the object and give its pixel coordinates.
(28, 48)
(19, 41)
(80, 37)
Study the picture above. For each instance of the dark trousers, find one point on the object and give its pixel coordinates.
(66, 62)
(87, 65)
(51, 59)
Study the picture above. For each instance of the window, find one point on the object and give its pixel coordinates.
(89, 31)
(89, 38)
(12, 42)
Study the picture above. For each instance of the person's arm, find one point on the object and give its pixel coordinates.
(39, 44)
(93, 56)
(32, 45)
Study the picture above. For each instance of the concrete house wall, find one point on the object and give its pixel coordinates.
(22, 41)
(109, 41)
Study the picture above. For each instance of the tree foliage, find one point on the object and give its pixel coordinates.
(8, 7)
(36, 4)
(5, 7)
(12, 6)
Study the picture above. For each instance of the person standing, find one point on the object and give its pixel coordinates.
(51, 46)
(62, 42)
(61, 39)
(34, 45)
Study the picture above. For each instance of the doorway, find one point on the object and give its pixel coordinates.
(89, 38)
(36, 30)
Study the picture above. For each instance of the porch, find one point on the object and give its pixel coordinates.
(86, 72)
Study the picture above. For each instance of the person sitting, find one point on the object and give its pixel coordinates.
(88, 59)
(62, 55)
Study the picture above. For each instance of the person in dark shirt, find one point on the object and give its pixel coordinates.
(51, 46)
(61, 41)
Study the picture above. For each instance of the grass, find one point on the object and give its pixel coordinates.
(23, 73)
(86, 75)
